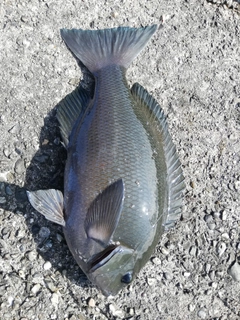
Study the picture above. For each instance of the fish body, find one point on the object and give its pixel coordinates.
(123, 181)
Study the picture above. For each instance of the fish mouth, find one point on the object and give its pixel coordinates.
(103, 257)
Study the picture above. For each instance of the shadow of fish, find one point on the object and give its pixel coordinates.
(123, 181)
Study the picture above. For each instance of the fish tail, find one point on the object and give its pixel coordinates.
(97, 49)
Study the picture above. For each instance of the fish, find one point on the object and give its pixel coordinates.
(123, 180)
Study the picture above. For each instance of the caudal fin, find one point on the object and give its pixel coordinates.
(97, 49)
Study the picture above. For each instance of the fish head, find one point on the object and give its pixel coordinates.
(112, 269)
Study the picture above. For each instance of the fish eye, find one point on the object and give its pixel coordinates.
(127, 278)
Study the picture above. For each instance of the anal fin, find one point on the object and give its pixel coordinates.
(49, 203)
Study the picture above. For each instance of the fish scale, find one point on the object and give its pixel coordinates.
(117, 147)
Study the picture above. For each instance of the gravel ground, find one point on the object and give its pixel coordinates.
(192, 67)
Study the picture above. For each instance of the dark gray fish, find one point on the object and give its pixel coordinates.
(123, 180)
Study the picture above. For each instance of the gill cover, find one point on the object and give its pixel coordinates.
(112, 269)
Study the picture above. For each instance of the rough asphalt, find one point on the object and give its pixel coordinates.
(192, 67)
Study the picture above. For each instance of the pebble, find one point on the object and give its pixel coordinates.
(3, 176)
(32, 255)
(55, 298)
(156, 261)
(36, 288)
(168, 276)
(224, 215)
(186, 274)
(3, 200)
(115, 312)
(114, 14)
(234, 234)
(131, 312)
(234, 271)
(44, 233)
(10, 301)
(237, 185)
(212, 274)
(164, 251)
(208, 218)
(45, 142)
(221, 247)
(225, 236)
(19, 166)
(216, 215)
(151, 281)
(59, 237)
(193, 251)
(74, 81)
(8, 191)
(51, 286)
(91, 303)
(191, 307)
(211, 226)
(21, 273)
(47, 265)
(202, 314)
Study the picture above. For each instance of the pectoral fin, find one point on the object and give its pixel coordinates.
(104, 213)
(49, 203)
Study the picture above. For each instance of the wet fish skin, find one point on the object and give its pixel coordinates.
(123, 181)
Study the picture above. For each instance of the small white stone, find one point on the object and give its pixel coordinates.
(234, 271)
(224, 215)
(47, 265)
(115, 312)
(36, 288)
(32, 255)
(186, 274)
(191, 307)
(10, 301)
(221, 247)
(164, 251)
(225, 236)
(112, 308)
(114, 14)
(131, 311)
(202, 314)
(214, 285)
(192, 251)
(237, 185)
(91, 303)
(55, 298)
(21, 274)
(151, 281)
(156, 261)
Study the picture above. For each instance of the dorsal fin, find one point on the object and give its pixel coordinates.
(153, 114)
(70, 109)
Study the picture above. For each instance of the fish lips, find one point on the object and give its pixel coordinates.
(103, 257)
